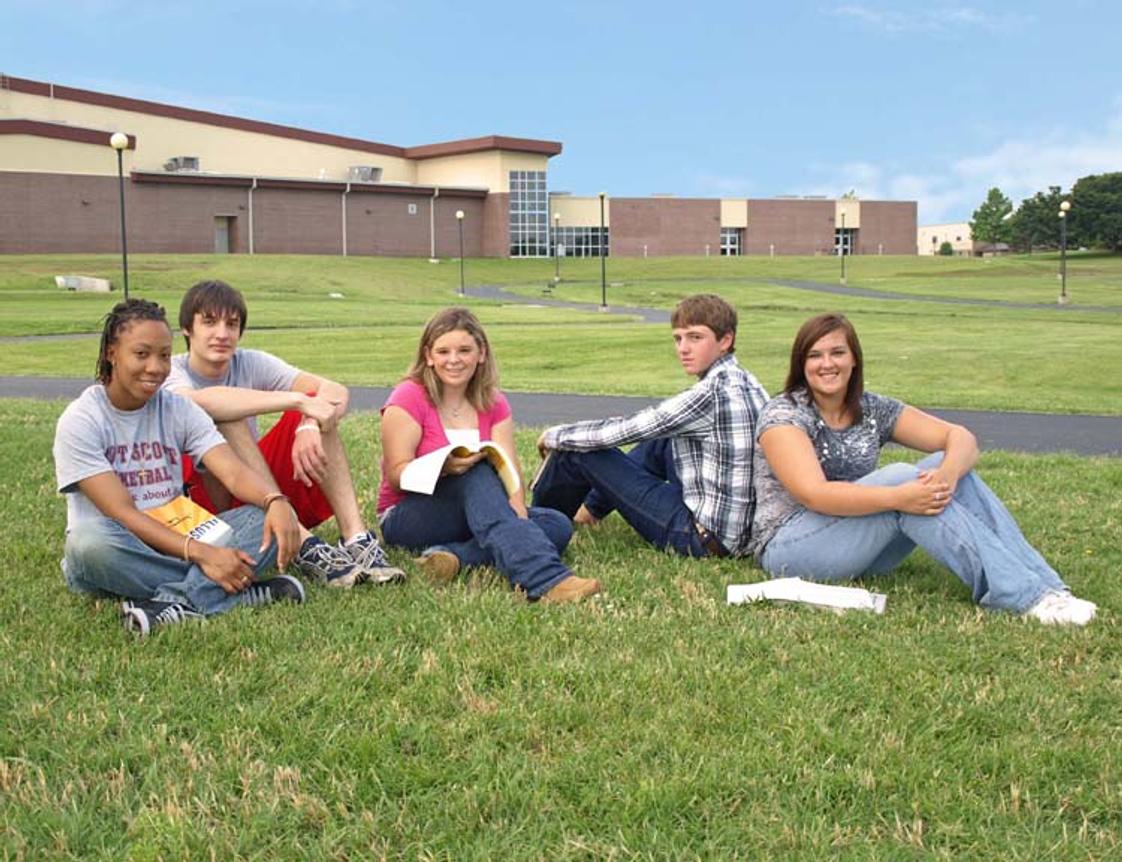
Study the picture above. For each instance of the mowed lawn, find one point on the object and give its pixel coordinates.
(653, 722)
(931, 354)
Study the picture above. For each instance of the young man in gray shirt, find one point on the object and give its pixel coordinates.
(302, 455)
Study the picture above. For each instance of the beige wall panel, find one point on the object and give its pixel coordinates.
(930, 237)
(734, 212)
(483, 170)
(220, 150)
(489, 170)
(852, 212)
(34, 154)
(580, 212)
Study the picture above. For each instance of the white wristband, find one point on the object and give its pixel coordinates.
(314, 426)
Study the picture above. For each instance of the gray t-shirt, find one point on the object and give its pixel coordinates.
(248, 369)
(845, 455)
(142, 447)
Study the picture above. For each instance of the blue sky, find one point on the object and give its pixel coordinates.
(928, 101)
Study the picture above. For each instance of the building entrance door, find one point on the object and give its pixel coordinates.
(222, 231)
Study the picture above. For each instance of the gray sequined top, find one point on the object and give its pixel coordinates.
(845, 455)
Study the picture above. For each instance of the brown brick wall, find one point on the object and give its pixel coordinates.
(289, 221)
(496, 225)
(891, 223)
(793, 226)
(54, 213)
(666, 226)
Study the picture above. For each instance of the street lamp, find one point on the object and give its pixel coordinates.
(603, 265)
(1064, 207)
(556, 248)
(841, 247)
(120, 142)
(460, 222)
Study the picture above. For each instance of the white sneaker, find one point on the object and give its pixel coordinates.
(1062, 609)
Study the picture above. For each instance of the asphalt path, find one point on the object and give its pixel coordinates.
(1024, 432)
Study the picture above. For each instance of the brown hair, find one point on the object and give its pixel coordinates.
(706, 309)
(484, 382)
(809, 333)
(216, 297)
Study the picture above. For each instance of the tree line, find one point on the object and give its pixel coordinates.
(1094, 219)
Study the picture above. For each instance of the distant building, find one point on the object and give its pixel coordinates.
(932, 236)
(198, 181)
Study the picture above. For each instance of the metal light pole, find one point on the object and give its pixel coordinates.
(603, 265)
(841, 248)
(556, 248)
(120, 142)
(460, 222)
(1064, 207)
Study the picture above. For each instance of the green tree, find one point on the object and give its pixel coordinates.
(1037, 223)
(989, 223)
(946, 249)
(1096, 211)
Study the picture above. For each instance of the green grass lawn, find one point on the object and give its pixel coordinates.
(934, 355)
(652, 723)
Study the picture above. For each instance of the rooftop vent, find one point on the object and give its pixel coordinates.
(364, 174)
(181, 163)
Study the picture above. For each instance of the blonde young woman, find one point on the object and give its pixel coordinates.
(825, 512)
(451, 395)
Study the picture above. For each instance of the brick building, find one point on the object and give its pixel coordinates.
(198, 181)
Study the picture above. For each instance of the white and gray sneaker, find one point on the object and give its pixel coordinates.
(143, 616)
(367, 554)
(329, 564)
(1062, 609)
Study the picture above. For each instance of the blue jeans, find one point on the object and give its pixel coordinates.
(975, 537)
(641, 485)
(471, 516)
(104, 558)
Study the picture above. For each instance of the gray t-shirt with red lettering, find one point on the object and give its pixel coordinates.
(142, 447)
(845, 455)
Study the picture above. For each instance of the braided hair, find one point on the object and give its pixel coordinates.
(122, 315)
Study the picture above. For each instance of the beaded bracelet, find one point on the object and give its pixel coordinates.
(272, 498)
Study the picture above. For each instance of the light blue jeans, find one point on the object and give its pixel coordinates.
(975, 537)
(104, 558)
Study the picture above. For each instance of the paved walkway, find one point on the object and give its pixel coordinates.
(1025, 432)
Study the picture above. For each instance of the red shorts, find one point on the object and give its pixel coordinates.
(311, 506)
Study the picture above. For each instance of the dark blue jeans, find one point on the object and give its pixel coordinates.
(471, 516)
(641, 485)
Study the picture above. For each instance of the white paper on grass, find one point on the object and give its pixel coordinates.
(808, 593)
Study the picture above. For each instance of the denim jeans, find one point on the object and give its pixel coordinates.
(641, 485)
(104, 558)
(470, 515)
(975, 537)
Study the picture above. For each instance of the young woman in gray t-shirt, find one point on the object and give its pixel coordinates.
(824, 512)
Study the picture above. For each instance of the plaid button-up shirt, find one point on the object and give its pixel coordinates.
(713, 426)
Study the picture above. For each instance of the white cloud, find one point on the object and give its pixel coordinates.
(935, 19)
(1020, 167)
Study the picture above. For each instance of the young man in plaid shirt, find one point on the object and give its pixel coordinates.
(687, 486)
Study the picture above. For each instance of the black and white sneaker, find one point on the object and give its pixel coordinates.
(367, 554)
(279, 588)
(329, 564)
(144, 616)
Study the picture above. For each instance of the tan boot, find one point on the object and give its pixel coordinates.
(441, 567)
(572, 589)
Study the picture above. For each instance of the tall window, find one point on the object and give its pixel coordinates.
(730, 241)
(579, 242)
(529, 214)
